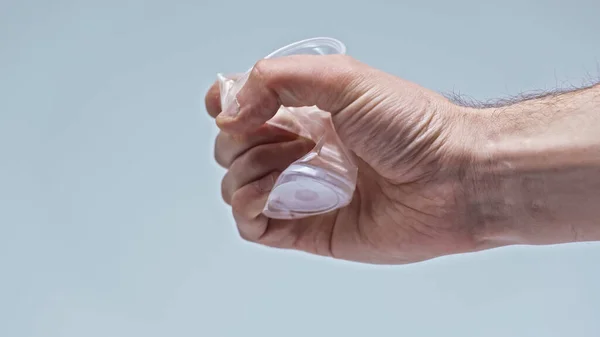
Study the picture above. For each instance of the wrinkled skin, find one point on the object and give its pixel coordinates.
(412, 147)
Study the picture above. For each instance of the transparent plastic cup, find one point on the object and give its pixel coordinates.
(325, 178)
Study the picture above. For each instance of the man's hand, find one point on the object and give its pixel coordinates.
(424, 163)
(411, 148)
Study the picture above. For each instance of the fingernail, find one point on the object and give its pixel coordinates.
(231, 110)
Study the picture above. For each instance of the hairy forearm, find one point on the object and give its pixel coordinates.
(536, 170)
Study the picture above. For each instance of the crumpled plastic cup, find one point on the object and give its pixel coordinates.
(325, 178)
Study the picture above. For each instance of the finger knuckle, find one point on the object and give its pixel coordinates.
(238, 200)
(245, 236)
(225, 190)
(349, 66)
(218, 150)
(352, 62)
(346, 65)
(244, 227)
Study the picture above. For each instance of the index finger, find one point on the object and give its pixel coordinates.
(328, 82)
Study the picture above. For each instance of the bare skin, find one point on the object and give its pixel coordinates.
(435, 178)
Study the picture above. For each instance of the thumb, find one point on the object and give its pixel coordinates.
(329, 82)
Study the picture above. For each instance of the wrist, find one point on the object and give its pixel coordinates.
(496, 205)
(534, 172)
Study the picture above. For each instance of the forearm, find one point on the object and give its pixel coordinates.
(536, 171)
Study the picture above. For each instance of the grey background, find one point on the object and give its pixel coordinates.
(111, 222)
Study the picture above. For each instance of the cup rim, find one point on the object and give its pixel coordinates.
(312, 42)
